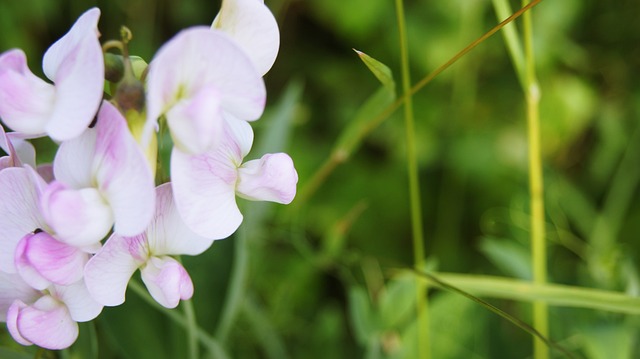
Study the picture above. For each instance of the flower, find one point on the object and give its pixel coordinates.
(196, 80)
(109, 271)
(18, 150)
(206, 185)
(63, 110)
(102, 179)
(253, 27)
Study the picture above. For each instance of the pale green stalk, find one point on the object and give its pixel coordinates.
(536, 189)
(422, 303)
(192, 329)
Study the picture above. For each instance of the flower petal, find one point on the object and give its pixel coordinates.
(76, 297)
(271, 178)
(253, 26)
(13, 287)
(108, 272)
(73, 163)
(46, 323)
(195, 123)
(12, 322)
(75, 63)
(196, 58)
(78, 217)
(19, 212)
(42, 260)
(167, 281)
(26, 101)
(122, 173)
(167, 233)
(204, 192)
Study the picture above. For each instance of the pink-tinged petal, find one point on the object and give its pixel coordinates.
(19, 212)
(73, 163)
(204, 193)
(75, 64)
(46, 323)
(167, 233)
(196, 58)
(78, 217)
(167, 281)
(42, 260)
(26, 101)
(237, 139)
(20, 151)
(13, 287)
(196, 123)
(122, 173)
(253, 26)
(81, 305)
(271, 178)
(108, 272)
(13, 314)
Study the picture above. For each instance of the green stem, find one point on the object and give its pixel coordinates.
(422, 304)
(235, 294)
(339, 156)
(536, 189)
(192, 329)
(210, 343)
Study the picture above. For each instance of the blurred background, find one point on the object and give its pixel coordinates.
(315, 276)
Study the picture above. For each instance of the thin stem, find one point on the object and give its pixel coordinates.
(422, 304)
(536, 189)
(235, 294)
(192, 329)
(339, 156)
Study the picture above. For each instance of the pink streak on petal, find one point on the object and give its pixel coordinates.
(47, 323)
(122, 173)
(19, 212)
(167, 281)
(272, 178)
(41, 255)
(108, 272)
(26, 101)
(13, 315)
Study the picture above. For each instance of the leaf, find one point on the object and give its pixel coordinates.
(362, 316)
(511, 257)
(380, 70)
(397, 302)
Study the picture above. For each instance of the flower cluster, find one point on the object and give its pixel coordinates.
(72, 233)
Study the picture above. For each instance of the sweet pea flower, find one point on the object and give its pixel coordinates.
(18, 151)
(102, 179)
(205, 186)
(65, 108)
(197, 79)
(253, 27)
(49, 319)
(109, 271)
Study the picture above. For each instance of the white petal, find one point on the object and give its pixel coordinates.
(78, 217)
(46, 323)
(196, 122)
(167, 233)
(81, 305)
(271, 178)
(26, 102)
(108, 272)
(196, 58)
(253, 26)
(12, 287)
(167, 281)
(73, 163)
(75, 64)
(204, 192)
(122, 173)
(19, 212)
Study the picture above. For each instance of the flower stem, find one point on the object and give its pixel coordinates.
(192, 329)
(422, 304)
(536, 188)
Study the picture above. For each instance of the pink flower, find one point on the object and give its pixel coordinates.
(63, 110)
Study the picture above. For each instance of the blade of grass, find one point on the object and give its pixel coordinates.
(340, 155)
(422, 299)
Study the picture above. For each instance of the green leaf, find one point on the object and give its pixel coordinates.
(609, 341)
(397, 302)
(380, 70)
(510, 256)
(362, 316)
